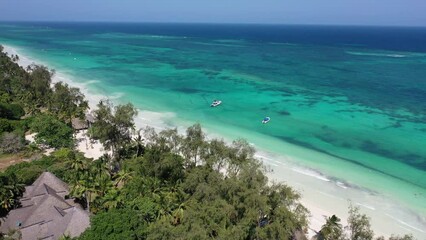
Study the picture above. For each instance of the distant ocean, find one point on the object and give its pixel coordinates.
(347, 104)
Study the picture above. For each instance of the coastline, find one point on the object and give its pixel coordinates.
(328, 201)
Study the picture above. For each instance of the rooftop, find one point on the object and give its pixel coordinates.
(45, 213)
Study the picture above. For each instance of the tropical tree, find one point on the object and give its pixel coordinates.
(332, 229)
(193, 145)
(116, 224)
(121, 178)
(52, 132)
(112, 199)
(113, 126)
(67, 102)
(90, 180)
(10, 191)
(359, 225)
(37, 87)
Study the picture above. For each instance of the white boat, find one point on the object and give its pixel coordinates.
(215, 103)
(266, 120)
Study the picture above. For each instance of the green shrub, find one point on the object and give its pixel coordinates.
(28, 172)
(51, 131)
(11, 111)
(5, 126)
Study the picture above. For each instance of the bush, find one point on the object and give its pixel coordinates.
(52, 132)
(116, 224)
(5, 126)
(28, 172)
(11, 111)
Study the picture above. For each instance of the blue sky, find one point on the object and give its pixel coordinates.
(346, 12)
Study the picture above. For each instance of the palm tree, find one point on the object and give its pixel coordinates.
(178, 214)
(100, 169)
(10, 191)
(95, 182)
(65, 237)
(121, 177)
(138, 144)
(79, 165)
(82, 189)
(332, 229)
(112, 199)
(7, 200)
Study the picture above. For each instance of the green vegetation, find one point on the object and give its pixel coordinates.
(154, 185)
(67, 102)
(171, 196)
(359, 228)
(10, 190)
(51, 131)
(332, 229)
(113, 126)
(47, 111)
(11, 111)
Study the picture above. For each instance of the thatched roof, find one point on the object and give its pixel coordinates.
(79, 124)
(45, 213)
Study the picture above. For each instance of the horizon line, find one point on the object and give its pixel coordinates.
(211, 23)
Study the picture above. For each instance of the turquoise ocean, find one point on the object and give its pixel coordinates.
(347, 104)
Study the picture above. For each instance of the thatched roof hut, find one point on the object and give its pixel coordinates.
(82, 124)
(79, 124)
(45, 212)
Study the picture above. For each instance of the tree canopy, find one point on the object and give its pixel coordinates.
(51, 131)
(113, 125)
(67, 102)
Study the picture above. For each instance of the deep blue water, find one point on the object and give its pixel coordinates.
(385, 38)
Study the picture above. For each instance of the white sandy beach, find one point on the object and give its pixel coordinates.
(90, 148)
(322, 195)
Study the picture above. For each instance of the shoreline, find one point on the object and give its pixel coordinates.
(306, 181)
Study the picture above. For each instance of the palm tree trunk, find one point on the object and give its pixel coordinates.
(88, 201)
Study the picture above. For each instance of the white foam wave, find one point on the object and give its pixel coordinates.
(157, 120)
(366, 206)
(116, 95)
(311, 173)
(342, 185)
(405, 224)
(91, 82)
(373, 54)
(24, 61)
(269, 158)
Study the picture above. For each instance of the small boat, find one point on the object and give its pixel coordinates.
(215, 103)
(266, 120)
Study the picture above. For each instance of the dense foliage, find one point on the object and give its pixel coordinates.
(67, 102)
(51, 131)
(48, 111)
(215, 191)
(113, 126)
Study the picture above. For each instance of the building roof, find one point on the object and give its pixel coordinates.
(79, 124)
(45, 213)
(45, 182)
